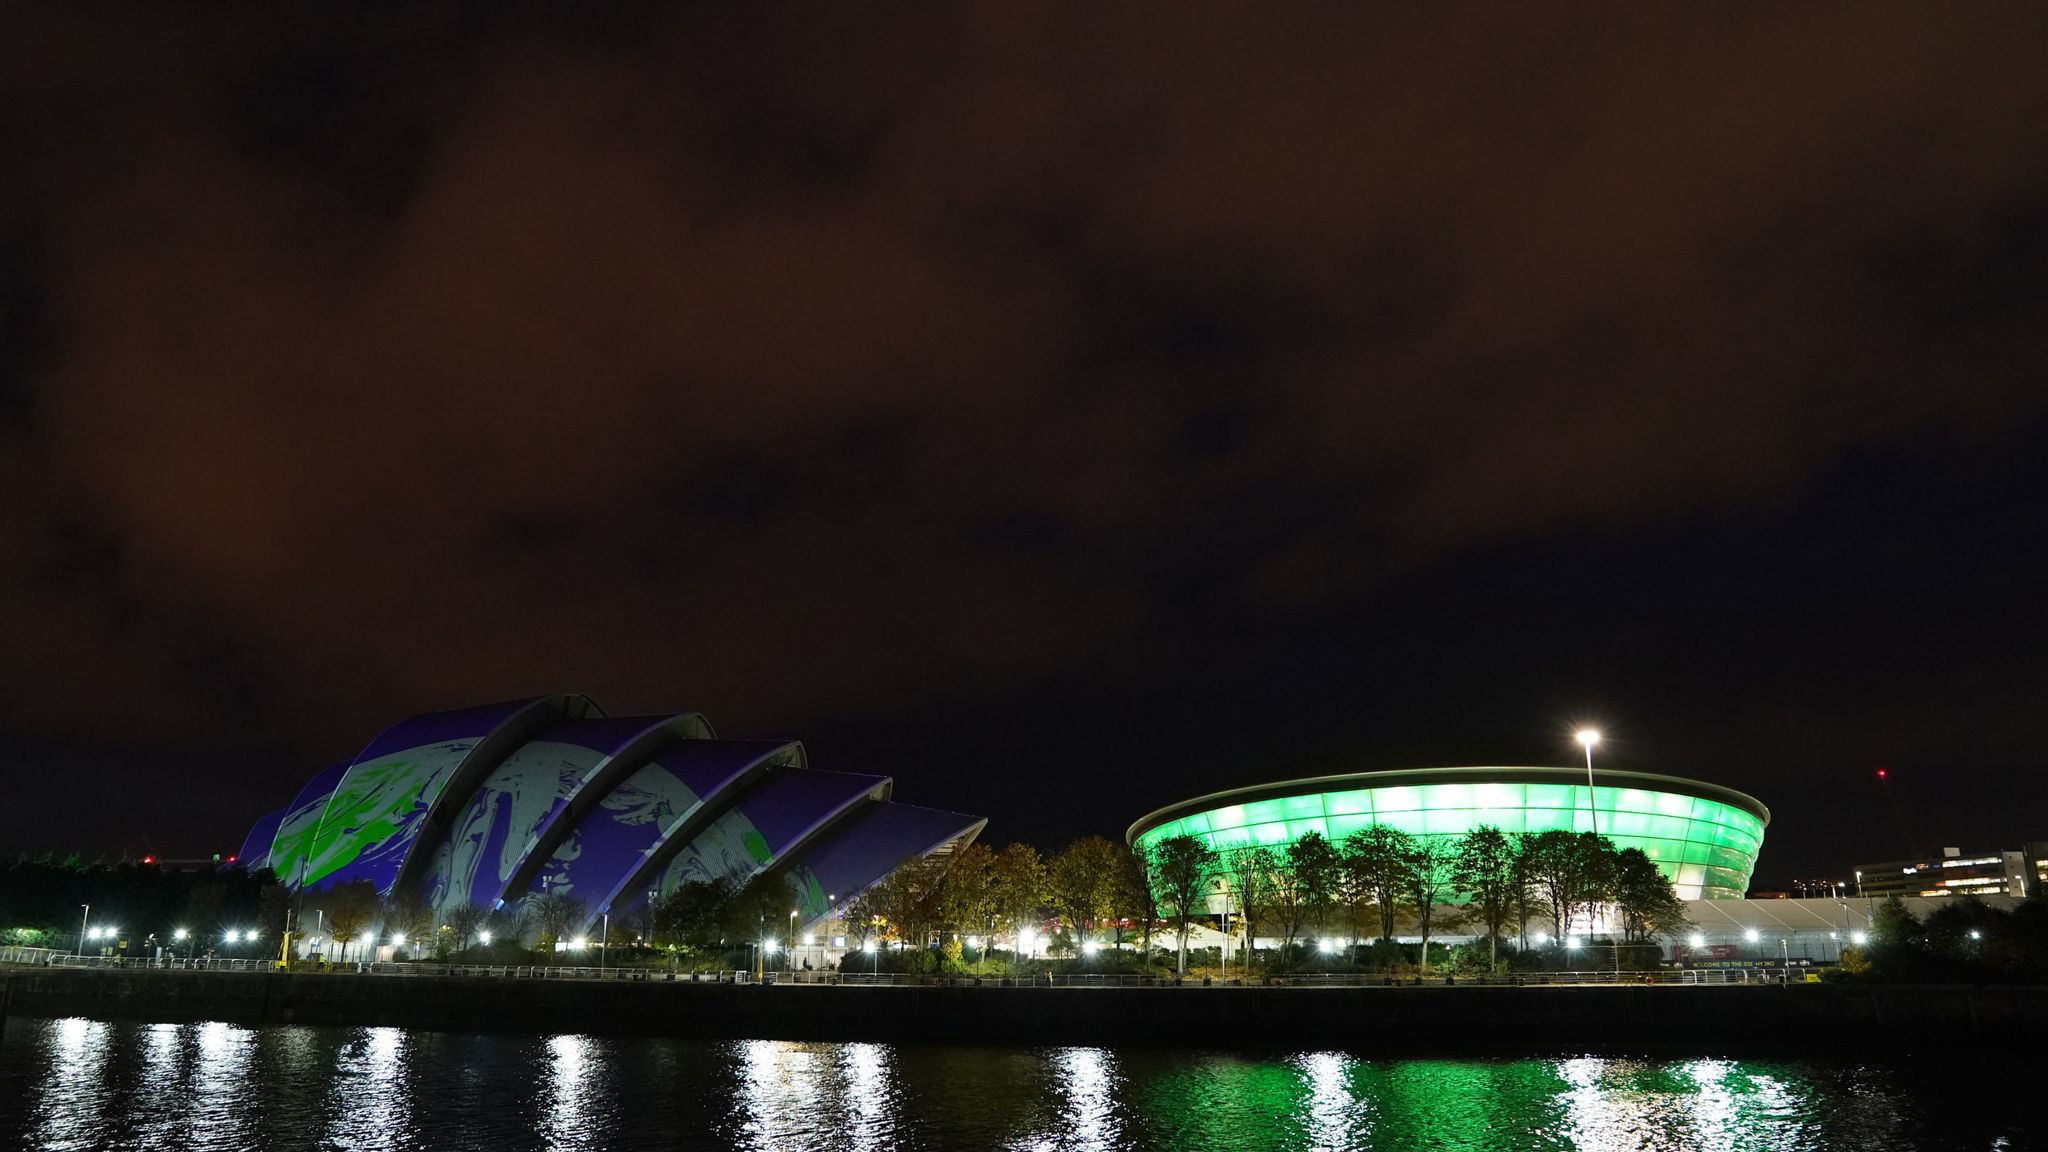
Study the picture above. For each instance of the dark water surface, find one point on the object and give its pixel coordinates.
(84, 1084)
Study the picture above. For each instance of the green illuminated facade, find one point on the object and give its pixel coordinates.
(1703, 836)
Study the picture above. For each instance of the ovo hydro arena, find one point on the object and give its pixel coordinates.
(1704, 837)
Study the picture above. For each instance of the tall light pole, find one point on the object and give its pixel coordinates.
(792, 939)
(604, 943)
(1588, 737)
(82, 922)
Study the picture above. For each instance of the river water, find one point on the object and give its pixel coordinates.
(83, 1084)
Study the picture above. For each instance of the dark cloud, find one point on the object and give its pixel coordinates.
(827, 370)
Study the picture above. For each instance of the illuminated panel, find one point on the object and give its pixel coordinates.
(631, 824)
(376, 812)
(856, 855)
(490, 833)
(1705, 847)
(772, 818)
(598, 784)
(294, 836)
(255, 850)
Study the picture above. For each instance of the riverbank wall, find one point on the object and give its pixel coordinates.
(1405, 1018)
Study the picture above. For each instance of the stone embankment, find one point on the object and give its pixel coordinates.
(1405, 1019)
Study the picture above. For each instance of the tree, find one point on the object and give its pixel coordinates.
(1377, 858)
(1285, 904)
(1248, 869)
(1019, 882)
(1180, 875)
(1572, 872)
(463, 922)
(405, 913)
(1319, 873)
(1431, 881)
(556, 914)
(1083, 881)
(1894, 925)
(1649, 906)
(350, 908)
(1133, 899)
(694, 916)
(1524, 846)
(1485, 867)
(968, 897)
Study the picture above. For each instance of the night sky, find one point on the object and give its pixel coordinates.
(1065, 408)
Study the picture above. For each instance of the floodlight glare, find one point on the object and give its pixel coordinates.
(1976, 935)
(1571, 941)
(868, 945)
(578, 943)
(483, 937)
(398, 939)
(1327, 944)
(180, 934)
(1090, 948)
(1588, 736)
(1859, 938)
(1750, 935)
(1697, 940)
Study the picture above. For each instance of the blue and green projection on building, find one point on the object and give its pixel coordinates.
(488, 806)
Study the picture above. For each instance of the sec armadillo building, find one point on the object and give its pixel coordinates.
(1704, 837)
(493, 804)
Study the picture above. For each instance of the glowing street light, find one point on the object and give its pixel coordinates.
(868, 945)
(1859, 938)
(1696, 940)
(398, 939)
(1751, 935)
(1326, 945)
(1572, 942)
(1589, 737)
(483, 937)
(1090, 948)
(179, 934)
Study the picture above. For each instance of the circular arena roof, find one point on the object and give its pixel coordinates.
(1703, 836)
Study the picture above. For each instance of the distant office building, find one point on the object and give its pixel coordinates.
(2017, 873)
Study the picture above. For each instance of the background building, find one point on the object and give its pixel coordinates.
(1703, 837)
(493, 805)
(2017, 872)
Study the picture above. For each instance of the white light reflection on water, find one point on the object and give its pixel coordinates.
(779, 1093)
(870, 1096)
(1336, 1118)
(216, 1113)
(371, 1105)
(71, 1102)
(576, 1114)
(1087, 1082)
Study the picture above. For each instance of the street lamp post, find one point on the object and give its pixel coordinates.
(604, 944)
(82, 922)
(1588, 737)
(792, 940)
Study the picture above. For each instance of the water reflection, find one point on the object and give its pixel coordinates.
(1334, 1119)
(70, 1105)
(576, 1116)
(78, 1084)
(371, 1105)
(1085, 1118)
(870, 1096)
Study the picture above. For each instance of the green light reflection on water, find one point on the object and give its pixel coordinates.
(1329, 1100)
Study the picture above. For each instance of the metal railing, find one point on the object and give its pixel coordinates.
(1677, 977)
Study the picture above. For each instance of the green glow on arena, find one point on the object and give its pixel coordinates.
(1704, 837)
